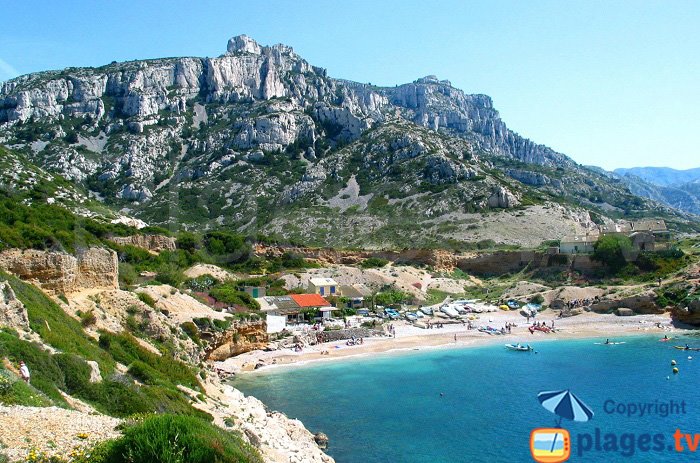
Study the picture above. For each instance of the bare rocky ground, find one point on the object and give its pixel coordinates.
(412, 280)
(52, 430)
(208, 269)
(526, 227)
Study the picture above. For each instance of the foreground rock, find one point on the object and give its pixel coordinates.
(277, 437)
(690, 314)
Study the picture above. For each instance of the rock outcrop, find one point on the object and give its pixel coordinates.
(133, 96)
(237, 339)
(61, 273)
(439, 259)
(278, 438)
(502, 198)
(643, 303)
(153, 243)
(689, 315)
(13, 314)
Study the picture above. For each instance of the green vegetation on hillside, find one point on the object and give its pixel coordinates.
(176, 439)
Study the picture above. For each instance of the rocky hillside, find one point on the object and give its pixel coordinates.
(679, 189)
(662, 176)
(261, 140)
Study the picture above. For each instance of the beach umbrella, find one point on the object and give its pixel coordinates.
(564, 404)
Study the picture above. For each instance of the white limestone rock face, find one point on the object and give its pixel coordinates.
(243, 43)
(502, 198)
(278, 438)
(61, 273)
(13, 314)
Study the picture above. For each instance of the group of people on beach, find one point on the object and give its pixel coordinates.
(434, 325)
(574, 303)
(355, 341)
(543, 324)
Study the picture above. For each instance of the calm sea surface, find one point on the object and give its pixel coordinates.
(388, 408)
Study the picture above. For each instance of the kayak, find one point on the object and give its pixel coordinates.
(518, 347)
(687, 348)
(609, 343)
(665, 339)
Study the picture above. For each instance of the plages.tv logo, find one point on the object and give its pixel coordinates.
(553, 445)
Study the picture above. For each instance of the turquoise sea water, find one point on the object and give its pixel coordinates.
(388, 408)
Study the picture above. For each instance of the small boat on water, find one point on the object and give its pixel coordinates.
(687, 348)
(519, 347)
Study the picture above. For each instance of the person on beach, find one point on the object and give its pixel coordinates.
(24, 371)
(455, 338)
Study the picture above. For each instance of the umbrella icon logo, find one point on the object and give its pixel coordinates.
(553, 445)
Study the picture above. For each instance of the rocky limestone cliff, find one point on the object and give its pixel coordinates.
(153, 243)
(440, 260)
(257, 136)
(61, 273)
(237, 339)
(304, 104)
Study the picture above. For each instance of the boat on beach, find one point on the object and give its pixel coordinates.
(449, 311)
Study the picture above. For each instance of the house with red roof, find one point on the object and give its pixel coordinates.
(313, 301)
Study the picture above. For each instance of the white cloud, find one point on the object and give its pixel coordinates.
(7, 71)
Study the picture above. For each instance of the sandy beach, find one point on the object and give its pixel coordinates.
(409, 337)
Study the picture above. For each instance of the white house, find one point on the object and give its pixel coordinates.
(579, 244)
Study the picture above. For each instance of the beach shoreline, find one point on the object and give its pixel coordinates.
(410, 338)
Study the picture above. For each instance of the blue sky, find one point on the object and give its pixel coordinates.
(610, 83)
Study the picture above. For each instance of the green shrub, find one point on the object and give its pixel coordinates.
(76, 372)
(88, 318)
(537, 299)
(126, 350)
(144, 373)
(146, 299)
(392, 297)
(179, 439)
(191, 330)
(118, 398)
(170, 276)
(610, 250)
(229, 294)
(127, 274)
(373, 262)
